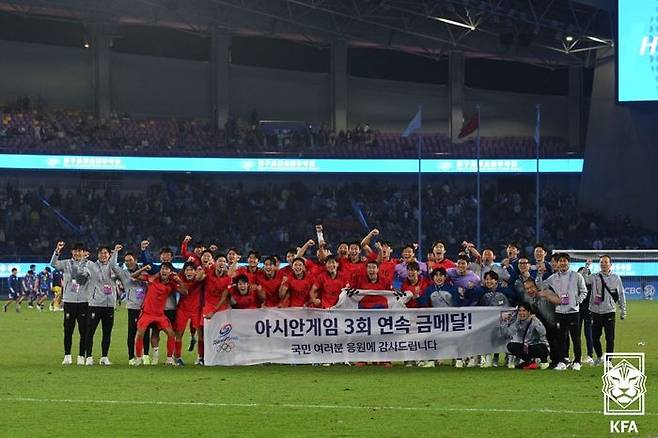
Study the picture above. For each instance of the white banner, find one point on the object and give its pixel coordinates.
(303, 336)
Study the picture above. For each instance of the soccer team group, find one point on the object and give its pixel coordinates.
(555, 305)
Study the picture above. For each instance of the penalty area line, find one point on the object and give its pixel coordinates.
(304, 406)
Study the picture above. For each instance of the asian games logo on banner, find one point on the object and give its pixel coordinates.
(225, 342)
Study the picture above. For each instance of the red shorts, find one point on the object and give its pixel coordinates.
(182, 316)
(160, 321)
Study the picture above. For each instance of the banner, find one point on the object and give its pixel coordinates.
(305, 335)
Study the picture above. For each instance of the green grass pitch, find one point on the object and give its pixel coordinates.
(39, 397)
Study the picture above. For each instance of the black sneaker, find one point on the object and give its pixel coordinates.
(192, 344)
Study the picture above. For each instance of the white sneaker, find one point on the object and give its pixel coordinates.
(81, 360)
(483, 361)
(67, 360)
(132, 361)
(471, 362)
(428, 364)
(138, 361)
(459, 363)
(575, 366)
(155, 357)
(104, 361)
(588, 361)
(170, 361)
(511, 362)
(544, 365)
(89, 361)
(560, 367)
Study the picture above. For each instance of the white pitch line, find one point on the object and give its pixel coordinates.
(308, 406)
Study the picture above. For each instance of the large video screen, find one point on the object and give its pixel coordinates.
(637, 50)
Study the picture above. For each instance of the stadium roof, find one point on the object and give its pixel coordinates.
(547, 32)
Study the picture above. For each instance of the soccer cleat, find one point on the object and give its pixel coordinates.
(81, 360)
(104, 361)
(428, 364)
(326, 364)
(421, 363)
(575, 366)
(39, 308)
(560, 367)
(531, 366)
(471, 362)
(67, 360)
(30, 306)
(179, 362)
(170, 361)
(511, 362)
(52, 308)
(89, 361)
(192, 343)
(588, 360)
(131, 362)
(138, 361)
(544, 365)
(199, 362)
(408, 363)
(146, 360)
(459, 363)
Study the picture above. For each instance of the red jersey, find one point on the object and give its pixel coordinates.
(214, 288)
(417, 289)
(373, 301)
(270, 287)
(298, 289)
(386, 267)
(445, 264)
(350, 268)
(186, 255)
(246, 301)
(192, 301)
(156, 296)
(314, 268)
(330, 288)
(244, 270)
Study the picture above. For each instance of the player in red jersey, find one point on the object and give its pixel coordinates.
(161, 285)
(191, 256)
(242, 296)
(207, 260)
(328, 285)
(314, 267)
(382, 255)
(298, 286)
(189, 307)
(354, 264)
(440, 260)
(415, 283)
(216, 288)
(268, 282)
(373, 281)
(251, 270)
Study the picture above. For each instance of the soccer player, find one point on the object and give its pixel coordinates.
(328, 285)
(101, 289)
(251, 270)
(135, 290)
(353, 264)
(607, 290)
(440, 260)
(29, 286)
(58, 283)
(160, 286)
(408, 255)
(268, 282)
(242, 296)
(189, 308)
(527, 338)
(382, 255)
(415, 283)
(166, 256)
(298, 286)
(371, 280)
(570, 288)
(15, 295)
(194, 257)
(216, 287)
(44, 287)
(461, 276)
(74, 298)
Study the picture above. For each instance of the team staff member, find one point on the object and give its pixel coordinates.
(607, 290)
(74, 298)
(135, 292)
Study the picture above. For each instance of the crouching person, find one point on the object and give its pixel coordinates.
(527, 337)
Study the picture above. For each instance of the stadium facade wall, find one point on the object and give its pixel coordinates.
(146, 85)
